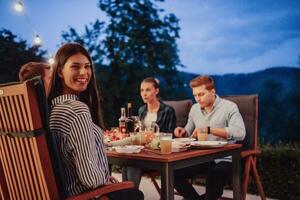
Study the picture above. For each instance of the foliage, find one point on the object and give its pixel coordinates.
(15, 52)
(137, 42)
(91, 39)
(279, 170)
(279, 110)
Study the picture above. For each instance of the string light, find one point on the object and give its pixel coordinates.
(51, 60)
(19, 6)
(37, 40)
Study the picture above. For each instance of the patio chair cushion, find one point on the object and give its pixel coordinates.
(182, 109)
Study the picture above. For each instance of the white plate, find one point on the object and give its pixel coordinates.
(208, 144)
(135, 146)
(122, 142)
(127, 149)
(184, 139)
(175, 149)
(179, 146)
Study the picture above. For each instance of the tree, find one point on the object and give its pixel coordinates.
(272, 119)
(138, 42)
(15, 52)
(91, 39)
(292, 108)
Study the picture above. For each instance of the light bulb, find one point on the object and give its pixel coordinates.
(51, 60)
(37, 40)
(19, 7)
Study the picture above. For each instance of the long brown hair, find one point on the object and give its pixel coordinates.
(91, 95)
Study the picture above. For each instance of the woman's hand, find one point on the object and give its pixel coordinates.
(112, 180)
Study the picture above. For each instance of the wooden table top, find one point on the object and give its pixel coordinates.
(154, 155)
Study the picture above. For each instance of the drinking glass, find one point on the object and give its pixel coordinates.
(202, 136)
(136, 138)
(165, 140)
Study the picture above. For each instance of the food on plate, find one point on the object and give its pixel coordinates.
(154, 144)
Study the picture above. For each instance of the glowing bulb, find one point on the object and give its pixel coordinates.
(51, 60)
(37, 40)
(19, 7)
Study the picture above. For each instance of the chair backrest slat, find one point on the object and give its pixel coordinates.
(25, 159)
(6, 165)
(17, 164)
(32, 171)
(29, 166)
(24, 164)
(16, 167)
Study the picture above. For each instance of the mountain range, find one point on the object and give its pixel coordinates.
(250, 83)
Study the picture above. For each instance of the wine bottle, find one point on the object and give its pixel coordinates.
(122, 121)
(129, 119)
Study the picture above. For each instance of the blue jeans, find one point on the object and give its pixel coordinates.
(133, 174)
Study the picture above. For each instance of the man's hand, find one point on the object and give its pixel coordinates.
(179, 132)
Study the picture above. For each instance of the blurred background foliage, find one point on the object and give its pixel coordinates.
(15, 52)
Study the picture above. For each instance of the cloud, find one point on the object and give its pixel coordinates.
(239, 36)
(216, 36)
(285, 54)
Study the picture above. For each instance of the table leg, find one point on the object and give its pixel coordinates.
(167, 182)
(236, 175)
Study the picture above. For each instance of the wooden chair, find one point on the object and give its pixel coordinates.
(182, 109)
(28, 162)
(248, 107)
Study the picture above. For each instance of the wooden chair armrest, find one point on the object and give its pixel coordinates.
(99, 191)
(247, 153)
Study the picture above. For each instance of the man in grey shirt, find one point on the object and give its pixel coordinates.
(222, 121)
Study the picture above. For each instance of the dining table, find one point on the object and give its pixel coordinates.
(167, 164)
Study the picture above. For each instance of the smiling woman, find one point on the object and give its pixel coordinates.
(77, 130)
(76, 74)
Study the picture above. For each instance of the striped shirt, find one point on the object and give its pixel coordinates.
(80, 144)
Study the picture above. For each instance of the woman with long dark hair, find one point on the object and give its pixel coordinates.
(76, 122)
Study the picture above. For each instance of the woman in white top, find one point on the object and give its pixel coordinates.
(156, 111)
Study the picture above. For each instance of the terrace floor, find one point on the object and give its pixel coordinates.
(150, 192)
